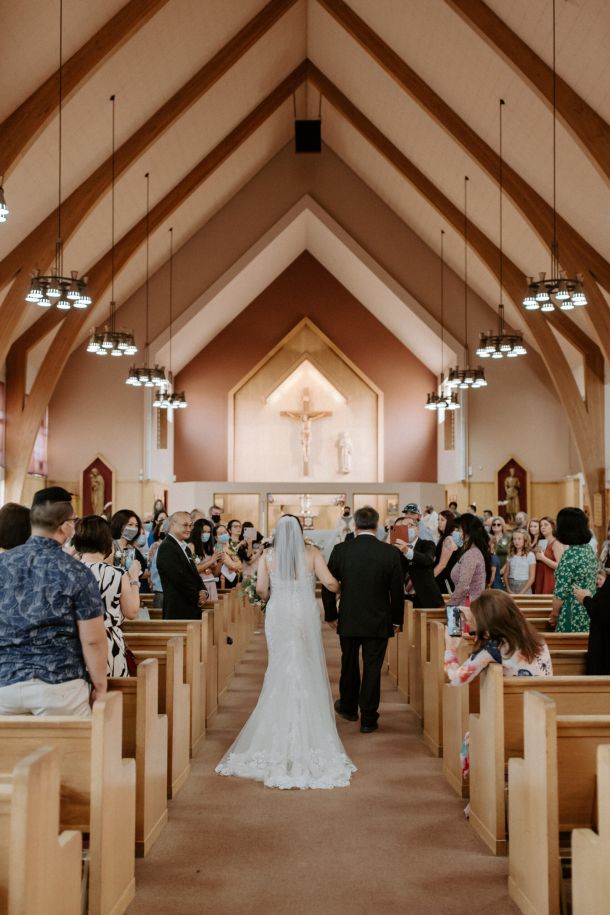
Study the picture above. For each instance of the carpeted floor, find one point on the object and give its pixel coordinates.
(395, 841)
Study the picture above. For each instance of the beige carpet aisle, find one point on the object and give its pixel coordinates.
(395, 841)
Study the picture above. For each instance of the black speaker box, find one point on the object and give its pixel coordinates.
(308, 136)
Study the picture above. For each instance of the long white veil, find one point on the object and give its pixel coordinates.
(289, 560)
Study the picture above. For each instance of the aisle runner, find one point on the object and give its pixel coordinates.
(393, 842)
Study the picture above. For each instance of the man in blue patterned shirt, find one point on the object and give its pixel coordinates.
(52, 635)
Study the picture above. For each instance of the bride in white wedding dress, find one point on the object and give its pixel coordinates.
(290, 739)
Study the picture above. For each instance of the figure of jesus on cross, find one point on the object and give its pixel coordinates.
(306, 417)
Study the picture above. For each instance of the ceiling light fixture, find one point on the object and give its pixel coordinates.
(442, 398)
(55, 288)
(147, 376)
(556, 290)
(175, 400)
(109, 340)
(497, 346)
(467, 377)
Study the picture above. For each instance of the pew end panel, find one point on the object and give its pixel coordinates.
(40, 868)
(487, 816)
(591, 851)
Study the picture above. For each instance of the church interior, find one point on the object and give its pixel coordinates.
(354, 253)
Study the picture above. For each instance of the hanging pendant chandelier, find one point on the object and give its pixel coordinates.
(166, 399)
(145, 375)
(467, 377)
(109, 340)
(442, 398)
(56, 288)
(497, 346)
(557, 289)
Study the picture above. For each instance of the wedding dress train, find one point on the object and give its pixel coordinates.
(291, 739)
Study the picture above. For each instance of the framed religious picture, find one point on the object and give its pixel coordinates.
(97, 488)
(512, 490)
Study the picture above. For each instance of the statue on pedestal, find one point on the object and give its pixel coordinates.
(345, 447)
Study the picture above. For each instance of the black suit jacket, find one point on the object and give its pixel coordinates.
(420, 569)
(372, 593)
(181, 582)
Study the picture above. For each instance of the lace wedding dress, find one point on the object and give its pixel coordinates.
(291, 740)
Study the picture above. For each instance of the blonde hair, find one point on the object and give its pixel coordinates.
(527, 543)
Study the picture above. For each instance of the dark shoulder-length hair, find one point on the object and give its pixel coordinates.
(497, 617)
(15, 526)
(202, 549)
(572, 527)
(475, 535)
(92, 535)
(449, 524)
(120, 519)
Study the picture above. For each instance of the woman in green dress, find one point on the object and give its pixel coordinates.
(577, 566)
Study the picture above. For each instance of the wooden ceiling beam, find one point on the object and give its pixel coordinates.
(23, 424)
(587, 430)
(586, 125)
(576, 254)
(20, 128)
(38, 248)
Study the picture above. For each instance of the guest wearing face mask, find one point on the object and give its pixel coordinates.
(473, 568)
(215, 513)
(345, 524)
(230, 564)
(207, 557)
(418, 559)
(129, 540)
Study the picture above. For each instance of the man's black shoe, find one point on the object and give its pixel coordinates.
(339, 711)
(368, 728)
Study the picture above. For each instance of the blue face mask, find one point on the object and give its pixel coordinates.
(411, 535)
(148, 526)
(223, 538)
(205, 537)
(458, 538)
(141, 540)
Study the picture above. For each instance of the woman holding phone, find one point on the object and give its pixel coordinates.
(248, 550)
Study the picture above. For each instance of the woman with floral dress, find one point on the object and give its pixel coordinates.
(577, 569)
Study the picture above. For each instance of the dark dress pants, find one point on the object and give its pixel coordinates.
(364, 691)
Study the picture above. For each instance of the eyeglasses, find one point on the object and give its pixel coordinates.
(496, 524)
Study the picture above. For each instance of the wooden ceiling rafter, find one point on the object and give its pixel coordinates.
(24, 417)
(587, 427)
(20, 128)
(586, 125)
(576, 253)
(38, 248)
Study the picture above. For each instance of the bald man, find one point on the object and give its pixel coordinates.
(183, 591)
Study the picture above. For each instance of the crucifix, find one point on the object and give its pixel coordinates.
(305, 417)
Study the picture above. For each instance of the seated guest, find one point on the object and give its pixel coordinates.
(119, 590)
(52, 637)
(598, 609)
(502, 636)
(15, 527)
(577, 569)
(418, 557)
(183, 591)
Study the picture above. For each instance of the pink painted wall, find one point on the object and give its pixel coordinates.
(305, 289)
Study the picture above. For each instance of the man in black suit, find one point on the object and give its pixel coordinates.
(371, 609)
(418, 561)
(183, 591)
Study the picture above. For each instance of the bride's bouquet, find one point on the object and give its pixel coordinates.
(249, 586)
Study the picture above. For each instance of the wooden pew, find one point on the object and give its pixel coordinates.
(40, 868)
(151, 634)
(98, 791)
(551, 790)
(591, 850)
(175, 702)
(433, 649)
(145, 738)
(209, 653)
(496, 734)
(223, 630)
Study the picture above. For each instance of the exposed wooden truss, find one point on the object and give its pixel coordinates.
(19, 129)
(591, 131)
(37, 249)
(577, 255)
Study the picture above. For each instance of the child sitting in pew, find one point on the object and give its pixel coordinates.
(502, 636)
